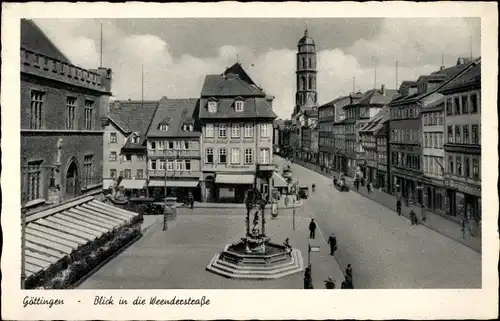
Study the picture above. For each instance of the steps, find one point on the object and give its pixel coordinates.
(257, 272)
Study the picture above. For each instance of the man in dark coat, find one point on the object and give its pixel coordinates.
(398, 206)
(348, 271)
(332, 240)
(308, 278)
(312, 229)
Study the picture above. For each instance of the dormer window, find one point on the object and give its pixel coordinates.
(134, 139)
(163, 127)
(187, 127)
(238, 104)
(212, 105)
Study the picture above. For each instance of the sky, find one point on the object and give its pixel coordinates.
(178, 53)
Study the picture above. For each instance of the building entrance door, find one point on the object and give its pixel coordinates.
(72, 182)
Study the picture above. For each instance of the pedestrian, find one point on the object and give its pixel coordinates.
(413, 218)
(398, 206)
(348, 271)
(347, 283)
(330, 283)
(312, 229)
(308, 278)
(286, 200)
(422, 213)
(332, 241)
(356, 182)
(463, 228)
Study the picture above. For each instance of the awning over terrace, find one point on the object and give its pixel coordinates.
(56, 232)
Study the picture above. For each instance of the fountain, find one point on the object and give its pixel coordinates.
(254, 256)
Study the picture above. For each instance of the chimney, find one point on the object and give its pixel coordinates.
(382, 90)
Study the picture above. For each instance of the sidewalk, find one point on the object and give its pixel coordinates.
(281, 205)
(434, 221)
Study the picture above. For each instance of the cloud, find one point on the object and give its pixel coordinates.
(416, 44)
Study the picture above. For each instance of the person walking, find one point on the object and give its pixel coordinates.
(330, 283)
(369, 187)
(413, 218)
(347, 283)
(422, 212)
(332, 241)
(348, 271)
(308, 278)
(398, 206)
(312, 229)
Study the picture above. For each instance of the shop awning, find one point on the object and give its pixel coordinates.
(234, 179)
(133, 183)
(56, 232)
(279, 181)
(173, 183)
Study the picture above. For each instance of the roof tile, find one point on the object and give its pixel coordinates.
(177, 112)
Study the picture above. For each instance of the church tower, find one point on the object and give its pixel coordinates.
(306, 95)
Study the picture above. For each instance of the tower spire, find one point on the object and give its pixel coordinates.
(305, 31)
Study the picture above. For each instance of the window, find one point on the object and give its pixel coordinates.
(465, 131)
(34, 183)
(450, 134)
(473, 103)
(451, 169)
(186, 145)
(223, 155)
(426, 119)
(466, 166)
(187, 164)
(152, 164)
(163, 127)
(458, 161)
(440, 140)
(264, 130)
(177, 145)
(127, 173)
(152, 145)
(88, 165)
(222, 130)
(440, 119)
(112, 173)
(457, 105)
(426, 140)
(249, 130)
(235, 155)
(209, 131)
(435, 140)
(475, 169)
(238, 105)
(112, 138)
(162, 164)
(475, 132)
(465, 104)
(170, 165)
(264, 156)
(140, 173)
(89, 115)
(128, 157)
(235, 130)
(141, 157)
(449, 107)
(179, 165)
(212, 106)
(70, 113)
(248, 156)
(169, 144)
(112, 156)
(36, 109)
(209, 155)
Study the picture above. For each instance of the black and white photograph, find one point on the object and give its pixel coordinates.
(249, 153)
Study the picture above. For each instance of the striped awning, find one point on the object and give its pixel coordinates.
(234, 179)
(54, 233)
(133, 183)
(279, 181)
(173, 183)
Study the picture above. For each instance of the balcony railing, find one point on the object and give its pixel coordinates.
(173, 153)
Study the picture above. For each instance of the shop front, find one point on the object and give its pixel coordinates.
(180, 189)
(231, 188)
(464, 200)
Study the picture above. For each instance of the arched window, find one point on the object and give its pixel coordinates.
(310, 82)
(310, 63)
(302, 82)
(304, 63)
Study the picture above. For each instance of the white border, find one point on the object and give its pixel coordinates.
(245, 304)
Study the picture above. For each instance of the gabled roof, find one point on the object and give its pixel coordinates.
(178, 112)
(34, 39)
(132, 116)
(232, 83)
(471, 77)
(237, 69)
(333, 102)
(377, 121)
(376, 97)
(254, 107)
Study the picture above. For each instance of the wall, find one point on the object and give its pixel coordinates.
(192, 154)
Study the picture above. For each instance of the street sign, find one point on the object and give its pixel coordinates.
(314, 248)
